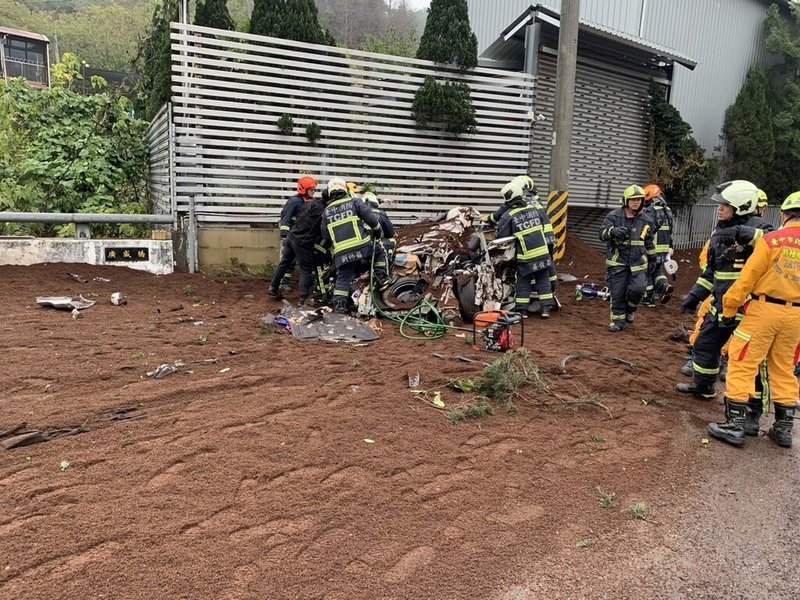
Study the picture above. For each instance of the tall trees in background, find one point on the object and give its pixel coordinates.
(213, 13)
(290, 20)
(153, 62)
(762, 128)
(448, 39)
(677, 162)
(104, 35)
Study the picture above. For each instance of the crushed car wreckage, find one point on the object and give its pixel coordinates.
(453, 263)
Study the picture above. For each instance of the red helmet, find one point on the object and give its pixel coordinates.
(652, 191)
(304, 184)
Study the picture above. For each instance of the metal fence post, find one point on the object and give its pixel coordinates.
(191, 238)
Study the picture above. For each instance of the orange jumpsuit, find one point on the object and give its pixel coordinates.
(771, 325)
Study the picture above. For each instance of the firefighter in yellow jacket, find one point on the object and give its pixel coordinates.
(770, 329)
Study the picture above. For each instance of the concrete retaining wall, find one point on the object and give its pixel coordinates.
(252, 247)
(154, 256)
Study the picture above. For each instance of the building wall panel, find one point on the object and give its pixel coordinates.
(724, 36)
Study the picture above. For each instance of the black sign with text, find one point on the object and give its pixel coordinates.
(126, 254)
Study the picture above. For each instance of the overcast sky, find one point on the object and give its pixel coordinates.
(417, 4)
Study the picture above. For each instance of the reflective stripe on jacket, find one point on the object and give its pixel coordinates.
(345, 223)
(524, 222)
(726, 261)
(633, 251)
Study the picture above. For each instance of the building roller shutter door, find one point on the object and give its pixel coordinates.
(609, 136)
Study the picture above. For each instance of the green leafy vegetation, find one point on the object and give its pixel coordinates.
(762, 127)
(61, 151)
(677, 162)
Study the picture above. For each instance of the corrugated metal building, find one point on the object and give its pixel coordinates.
(703, 48)
(725, 37)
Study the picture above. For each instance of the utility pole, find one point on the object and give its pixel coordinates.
(562, 121)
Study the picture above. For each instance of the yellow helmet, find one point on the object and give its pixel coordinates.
(762, 198)
(353, 188)
(631, 192)
(792, 202)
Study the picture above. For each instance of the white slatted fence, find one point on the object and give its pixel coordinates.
(230, 89)
(159, 178)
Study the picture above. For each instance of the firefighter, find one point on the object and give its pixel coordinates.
(306, 187)
(532, 199)
(661, 217)
(525, 223)
(769, 330)
(353, 232)
(736, 232)
(389, 233)
(761, 206)
(304, 244)
(628, 235)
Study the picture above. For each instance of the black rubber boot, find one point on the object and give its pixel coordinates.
(752, 425)
(701, 392)
(723, 368)
(630, 318)
(339, 306)
(276, 294)
(732, 430)
(781, 430)
(666, 295)
(687, 368)
(616, 326)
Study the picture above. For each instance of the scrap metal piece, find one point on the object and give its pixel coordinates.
(65, 302)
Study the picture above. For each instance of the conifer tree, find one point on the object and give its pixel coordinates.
(783, 39)
(676, 159)
(289, 20)
(214, 13)
(448, 37)
(748, 131)
(154, 63)
(265, 16)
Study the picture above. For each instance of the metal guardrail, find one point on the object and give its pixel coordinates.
(83, 221)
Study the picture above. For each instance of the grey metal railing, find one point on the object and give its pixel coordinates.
(32, 71)
(693, 224)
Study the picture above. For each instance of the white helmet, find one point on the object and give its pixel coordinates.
(371, 199)
(337, 184)
(740, 194)
(526, 181)
(512, 190)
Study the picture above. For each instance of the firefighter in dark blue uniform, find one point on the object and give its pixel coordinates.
(306, 186)
(628, 235)
(532, 199)
(387, 227)
(735, 234)
(524, 222)
(353, 232)
(661, 215)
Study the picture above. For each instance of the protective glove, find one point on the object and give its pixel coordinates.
(377, 233)
(620, 233)
(728, 321)
(689, 304)
(485, 218)
(728, 235)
